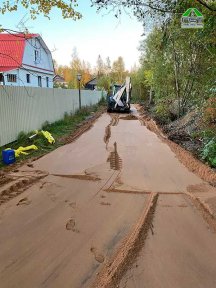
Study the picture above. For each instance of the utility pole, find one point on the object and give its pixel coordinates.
(79, 77)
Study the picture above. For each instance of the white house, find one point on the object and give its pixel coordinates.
(25, 60)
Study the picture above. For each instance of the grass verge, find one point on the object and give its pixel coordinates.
(59, 129)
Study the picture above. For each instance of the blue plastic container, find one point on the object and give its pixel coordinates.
(8, 156)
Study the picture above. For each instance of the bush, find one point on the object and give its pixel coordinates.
(210, 111)
(162, 112)
(209, 152)
(21, 136)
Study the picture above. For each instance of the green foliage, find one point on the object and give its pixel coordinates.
(37, 7)
(104, 83)
(148, 10)
(177, 65)
(209, 152)
(102, 101)
(118, 70)
(139, 87)
(208, 134)
(162, 110)
(21, 136)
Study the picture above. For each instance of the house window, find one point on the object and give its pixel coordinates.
(39, 81)
(1, 78)
(11, 78)
(47, 82)
(28, 78)
(36, 55)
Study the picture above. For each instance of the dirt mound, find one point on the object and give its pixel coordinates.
(182, 131)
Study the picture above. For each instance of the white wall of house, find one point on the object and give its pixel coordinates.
(37, 62)
(37, 56)
(22, 78)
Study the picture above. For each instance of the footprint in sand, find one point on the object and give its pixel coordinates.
(105, 203)
(71, 225)
(98, 257)
(72, 205)
(24, 201)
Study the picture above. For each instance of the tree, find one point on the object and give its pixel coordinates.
(104, 83)
(85, 72)
(100, 66)
(76, 67)
(118, 70)
(152, 8)
(177, 65)
(108, 66)
(55, 65)
(44, 7)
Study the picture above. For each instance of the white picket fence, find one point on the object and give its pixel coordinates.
(26, 109)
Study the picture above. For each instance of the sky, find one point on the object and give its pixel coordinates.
(92, 35)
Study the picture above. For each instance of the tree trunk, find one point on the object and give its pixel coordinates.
(177, 88)
(150, 96)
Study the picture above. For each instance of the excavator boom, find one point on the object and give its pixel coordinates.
(120, 101)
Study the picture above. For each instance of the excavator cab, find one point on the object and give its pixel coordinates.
(119, 100)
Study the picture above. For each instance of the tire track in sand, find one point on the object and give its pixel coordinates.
(114, 269)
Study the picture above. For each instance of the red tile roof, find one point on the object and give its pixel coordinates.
(12, 49)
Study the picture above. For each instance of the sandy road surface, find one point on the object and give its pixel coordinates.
(81, 221)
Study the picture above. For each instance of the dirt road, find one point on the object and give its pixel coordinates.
(115, 208)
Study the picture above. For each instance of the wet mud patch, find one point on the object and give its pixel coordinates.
(98, 256)
(129, 117)
(30, 165)
(114, 159)
(107, 134)
(113, 190)
(114, 119)
(85, 177)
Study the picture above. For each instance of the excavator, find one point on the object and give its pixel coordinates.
(119, 100)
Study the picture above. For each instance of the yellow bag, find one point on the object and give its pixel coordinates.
(21, 150)
(48, 136)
